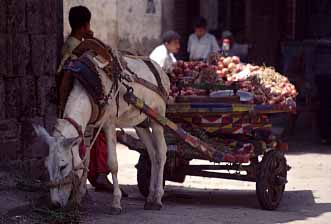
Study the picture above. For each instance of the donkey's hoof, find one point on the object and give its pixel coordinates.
(115, 211)
(157, 207)
(152, 206)
(148, 206)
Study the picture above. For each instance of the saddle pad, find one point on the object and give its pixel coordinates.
(84, 71)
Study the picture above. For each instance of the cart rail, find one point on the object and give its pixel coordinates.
(217, 108)
(205, 149)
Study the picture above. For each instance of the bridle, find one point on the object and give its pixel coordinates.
(72, 178)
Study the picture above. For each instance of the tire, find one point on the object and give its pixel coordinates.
(271, 180)
(144, 174)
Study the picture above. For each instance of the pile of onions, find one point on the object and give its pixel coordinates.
(187, 70)
(227, 67)
(270, 87)
(190, 73)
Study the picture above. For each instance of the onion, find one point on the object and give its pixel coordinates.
(271, 102)
(225, 71)
(220, 73)
(220, 64)
(294, 92)
(227, 61)
(235, 59)
(231, 66)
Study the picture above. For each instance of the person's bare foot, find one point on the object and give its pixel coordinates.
(102, 184)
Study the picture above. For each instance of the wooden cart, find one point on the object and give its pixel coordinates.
(236, 137)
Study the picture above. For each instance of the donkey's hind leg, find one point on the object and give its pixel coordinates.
(160, 160)
(145, 136)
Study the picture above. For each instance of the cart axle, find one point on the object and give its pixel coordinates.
(227, 176)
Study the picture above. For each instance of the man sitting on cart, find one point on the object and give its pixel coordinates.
(164, 54)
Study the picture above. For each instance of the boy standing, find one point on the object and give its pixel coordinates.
(79, 19)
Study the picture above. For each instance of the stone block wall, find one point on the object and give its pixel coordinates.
(31, 34)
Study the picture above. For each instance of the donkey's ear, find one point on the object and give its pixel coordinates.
(42, 133)
(68, 143)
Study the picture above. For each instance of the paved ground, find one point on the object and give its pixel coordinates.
(202, 200)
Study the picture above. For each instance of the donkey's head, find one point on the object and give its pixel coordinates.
(60, 164)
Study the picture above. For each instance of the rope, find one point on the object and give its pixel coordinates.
(98, 132)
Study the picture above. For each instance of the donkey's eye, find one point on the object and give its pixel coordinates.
(63, 168)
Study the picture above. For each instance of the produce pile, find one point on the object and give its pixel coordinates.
(270, 87)
(188, 73)
(228, 67)
(267, 85)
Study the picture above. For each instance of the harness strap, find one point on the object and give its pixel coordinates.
(75, 125)
(152, 87)
(97, 111)
(158, 89)
(156, 74)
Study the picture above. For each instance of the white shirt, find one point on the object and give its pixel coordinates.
(201, 48)
(162, 56)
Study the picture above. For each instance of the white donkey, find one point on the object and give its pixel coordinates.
(64, 159)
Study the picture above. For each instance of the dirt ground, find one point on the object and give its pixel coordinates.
(202, 200)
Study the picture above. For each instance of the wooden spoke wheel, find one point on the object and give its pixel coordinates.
(271, 180)
(144, 174)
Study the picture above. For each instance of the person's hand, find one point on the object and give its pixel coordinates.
(89, 34)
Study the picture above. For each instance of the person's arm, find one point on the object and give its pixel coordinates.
(173, 58)
(189, 46)
(65, 54)
(215, 46)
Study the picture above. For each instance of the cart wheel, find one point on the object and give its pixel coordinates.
(144, 174)
(271, 180)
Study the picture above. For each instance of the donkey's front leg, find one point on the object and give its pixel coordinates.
(110, 131)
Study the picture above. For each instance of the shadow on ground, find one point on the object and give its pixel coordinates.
(299, 147)
(183, 204)
(235, 205)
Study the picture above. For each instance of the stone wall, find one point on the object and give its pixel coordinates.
(30, 37)
(123, 24)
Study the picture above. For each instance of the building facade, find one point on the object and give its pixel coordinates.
(32, 32)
